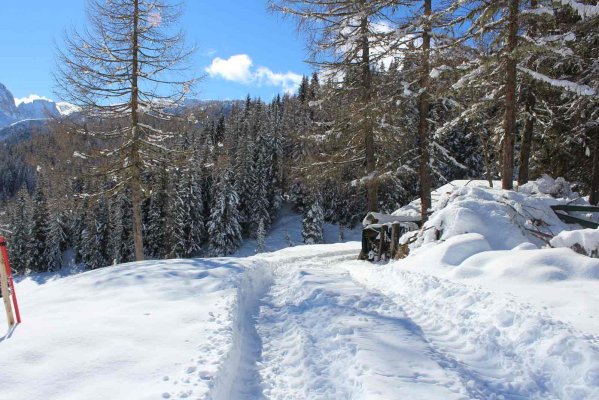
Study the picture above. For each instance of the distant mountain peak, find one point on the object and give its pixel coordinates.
(32, 107)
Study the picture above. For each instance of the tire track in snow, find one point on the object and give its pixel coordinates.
(326, 337)
(502, 349)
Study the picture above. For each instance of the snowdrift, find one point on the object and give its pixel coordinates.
(512, 242)
(504, 218)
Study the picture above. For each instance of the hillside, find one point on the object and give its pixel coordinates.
(457, 319)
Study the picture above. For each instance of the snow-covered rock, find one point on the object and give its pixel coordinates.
(584, 241)
(8, 109)
(505, 218)
(38, 109)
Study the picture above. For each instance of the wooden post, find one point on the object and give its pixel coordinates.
(382, 235)
(395, 227)
(11, 282)
(5, 293)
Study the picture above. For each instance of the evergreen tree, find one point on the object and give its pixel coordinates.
(20, 238)
(224, 230)
(56, 239)
(312, 223)
(38, 252)
(260, 237)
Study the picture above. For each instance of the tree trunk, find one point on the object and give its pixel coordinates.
(372, 183)
(527, 135)
(423, 108)
(507, 167)
(594, 197)
(135, 186)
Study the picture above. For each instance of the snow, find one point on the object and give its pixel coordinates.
(157, 327)
(483, 309)
(287, 230)
(504, 218)
(584, 10)
(30, 99)
(66, 109)
(587, 239)
(581, 90)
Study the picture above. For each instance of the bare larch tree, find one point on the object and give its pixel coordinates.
(345, 38)
(123, 71)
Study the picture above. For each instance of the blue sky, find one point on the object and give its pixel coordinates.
(241, 47)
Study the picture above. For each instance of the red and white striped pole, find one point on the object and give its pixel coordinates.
(15, 303)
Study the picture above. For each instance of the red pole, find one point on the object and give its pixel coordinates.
(10, 280)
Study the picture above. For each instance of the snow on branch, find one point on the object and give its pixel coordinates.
(581, 90)
(584, 10)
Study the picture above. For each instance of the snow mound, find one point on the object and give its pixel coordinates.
(558, 188)
(506, 219)
(584, 241)
(536, 266)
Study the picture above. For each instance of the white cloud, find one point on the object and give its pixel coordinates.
(236, 68)
(30, 99)
(239, 68)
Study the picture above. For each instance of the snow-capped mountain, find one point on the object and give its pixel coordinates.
(38, 109)
(8, 108)
(29, 108)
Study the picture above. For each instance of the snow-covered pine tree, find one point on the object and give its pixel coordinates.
(260, 237)
(261, 182)
(158, 240)
(224, 230)
(56, 238)
(115, 227)
(188, 220)
(40, 224)
(312, 224)
(20, 223)
(95, 236)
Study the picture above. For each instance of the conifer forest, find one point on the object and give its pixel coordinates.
(405, 96)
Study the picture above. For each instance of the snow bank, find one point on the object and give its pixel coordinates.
(504, 218)
(584, 241)
(500, 240)
(148, 330)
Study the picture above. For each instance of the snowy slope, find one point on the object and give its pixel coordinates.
(307, 322)
(471, 314)
(132, 331)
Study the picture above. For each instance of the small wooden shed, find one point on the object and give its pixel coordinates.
(381, 233)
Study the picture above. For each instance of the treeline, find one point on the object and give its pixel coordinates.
(407, 96)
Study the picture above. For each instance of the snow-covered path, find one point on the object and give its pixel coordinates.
(320, 325)
(326, 337)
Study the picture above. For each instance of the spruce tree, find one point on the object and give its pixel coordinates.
(312, 224)
(56, 239)
(40, 226)
(224, 230)
(20, 223)
(260, 237)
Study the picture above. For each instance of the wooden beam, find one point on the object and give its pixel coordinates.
(382, 236)
(564, 207)
(575, 220)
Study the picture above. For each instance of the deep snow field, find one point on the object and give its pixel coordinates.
(480, 309)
